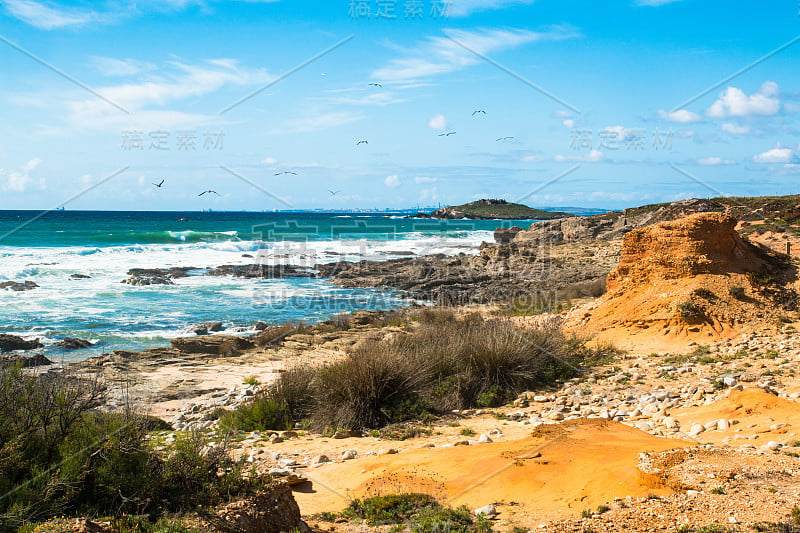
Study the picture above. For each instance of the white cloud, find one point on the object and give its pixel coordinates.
(734, 102)
(392, 181)
(438, 122)
(120, 67)
(429, 195)
(569, 123)
(145, 99)
(44, 17)
(18, 180)
(594, 156)
(269, 161)
(681, 115)
(424, 179)
(439, 55)
(776, 155)
(735, 129)
(621, 131)
(714, 161)
(49, 16)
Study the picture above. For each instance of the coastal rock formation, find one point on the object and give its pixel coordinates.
(614, 224)
(698, 244)
(10, 343)
(73, 343)
(212, 344)
(156, 276)
(487, 209)
(17, 286)
(691, 276)
(25, 361)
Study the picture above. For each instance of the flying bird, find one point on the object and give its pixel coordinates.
(448, 134)
(504, 138)
(377, 85)
(361, 142)
(334, 193)
(159, 184)
(478, 111)
(286, 172)
(208, 191)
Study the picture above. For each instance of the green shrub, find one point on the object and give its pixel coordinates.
(421, 511)
(494, 397)
(690, 311)
(263, 413)
(58, 457)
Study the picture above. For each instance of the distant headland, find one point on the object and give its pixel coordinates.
(494, 209)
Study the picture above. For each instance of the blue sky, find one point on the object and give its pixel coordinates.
(265, 102)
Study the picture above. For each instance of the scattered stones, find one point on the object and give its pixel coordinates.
(347, 455)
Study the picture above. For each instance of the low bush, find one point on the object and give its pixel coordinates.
(421, 511)
(60, 457)
(444, 363)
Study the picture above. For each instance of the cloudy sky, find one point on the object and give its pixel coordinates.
(548, 102)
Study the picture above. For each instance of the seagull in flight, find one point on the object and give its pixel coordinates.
(448, 134)
(377, 85)
(334, 193)
(478, 111)
(504, 138)
(159, 184)
(361, 142)
(286, 172)
(208, 191)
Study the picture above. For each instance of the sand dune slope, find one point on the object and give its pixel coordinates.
(557, 471)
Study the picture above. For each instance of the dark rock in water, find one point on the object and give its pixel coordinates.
(247, 255)
(260, 326)
(206, 327)
(10, 343)
(79, 276)
(73, 343)
(27, 361)
(17, 286)
(156, 276)
(213, 344)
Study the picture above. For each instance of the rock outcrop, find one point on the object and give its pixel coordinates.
(703, 243)
(10, 343)
(614, 224)
(17, 286)
(273, 510)
(692, 276)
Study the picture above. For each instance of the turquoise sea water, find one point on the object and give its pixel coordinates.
(104, 245)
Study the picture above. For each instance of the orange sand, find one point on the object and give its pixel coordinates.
(558, 471)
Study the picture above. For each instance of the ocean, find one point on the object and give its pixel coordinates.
(50, 249)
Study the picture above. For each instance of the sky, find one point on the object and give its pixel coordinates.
(267, 103)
